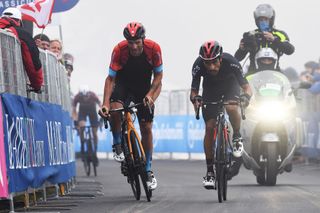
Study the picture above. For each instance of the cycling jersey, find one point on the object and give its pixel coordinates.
(226, 83)
(133, 74)
(87, 102)
(87, 107)
(121, 56)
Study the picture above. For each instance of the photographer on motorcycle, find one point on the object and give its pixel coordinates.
(265, 36)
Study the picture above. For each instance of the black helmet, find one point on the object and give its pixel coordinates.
(264, 10)
(210, 50)
(133, 31)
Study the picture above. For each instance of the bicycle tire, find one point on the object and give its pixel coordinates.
(135, 185)
(220, 163)
(140, 162)
(133, 176)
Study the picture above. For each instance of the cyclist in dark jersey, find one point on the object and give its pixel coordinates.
(87, 101)
(222, 76)
(135, 72)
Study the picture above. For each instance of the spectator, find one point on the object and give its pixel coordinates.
(315, 87)
(11, 21)
(56, 48)
(68, 63)
(42, 41)
(306, 77)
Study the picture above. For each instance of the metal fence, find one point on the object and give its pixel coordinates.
(13, 79)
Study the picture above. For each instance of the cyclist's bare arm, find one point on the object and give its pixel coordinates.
(108, 85)
(246, 89)
(193, 93)
(155, 87)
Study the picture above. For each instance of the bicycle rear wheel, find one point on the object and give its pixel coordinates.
(139, 162)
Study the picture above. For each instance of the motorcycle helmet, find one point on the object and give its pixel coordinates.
(134, 31)
(264, 10)
(266, 59)
(210, 50)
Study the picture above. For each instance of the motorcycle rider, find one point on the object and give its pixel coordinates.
(265, 36)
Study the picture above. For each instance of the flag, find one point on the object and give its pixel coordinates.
(39, 12)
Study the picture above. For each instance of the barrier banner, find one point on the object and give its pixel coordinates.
(3, 170)
(171, 133)
(38, 143)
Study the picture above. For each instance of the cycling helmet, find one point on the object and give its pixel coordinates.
(210, 50)
(84, 89)
(264, 10)
(12, 12)
(133, 31)
(266, 53)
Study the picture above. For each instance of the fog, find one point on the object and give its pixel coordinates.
(92, 28)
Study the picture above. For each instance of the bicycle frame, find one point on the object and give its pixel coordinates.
(128, 127)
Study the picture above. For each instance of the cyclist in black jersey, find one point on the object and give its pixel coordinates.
(222, 76)
(87, 101)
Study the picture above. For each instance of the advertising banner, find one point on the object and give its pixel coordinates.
(171, 133)
(38, 143)
(59, 5)
(3, 170)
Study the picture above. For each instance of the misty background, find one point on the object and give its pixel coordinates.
(92, 28)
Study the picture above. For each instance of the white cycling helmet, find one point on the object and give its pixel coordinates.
(84, 89)
(12, 12)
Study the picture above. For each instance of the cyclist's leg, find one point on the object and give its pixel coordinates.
(81, 124)
(209, 115)
(117, 99)
(94, 122)
(235, 118)
(145, 122)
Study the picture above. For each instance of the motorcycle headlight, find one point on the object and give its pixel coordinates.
(272, 110)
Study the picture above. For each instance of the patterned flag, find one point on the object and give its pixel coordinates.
(38, 12)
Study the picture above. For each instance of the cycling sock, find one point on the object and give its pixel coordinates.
(148, 160)
(236, 134)
(209, 165)
(116, 137)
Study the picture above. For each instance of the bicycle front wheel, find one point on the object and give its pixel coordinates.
(221, 165)
(135, 185)
(139, 160)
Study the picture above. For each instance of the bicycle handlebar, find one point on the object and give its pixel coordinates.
(122, 109)
(223, 103)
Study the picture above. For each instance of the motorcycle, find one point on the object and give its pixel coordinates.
(271, 130)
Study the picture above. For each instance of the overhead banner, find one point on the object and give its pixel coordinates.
(38, 143)
(59, 5)
(64, 5)
(3, 170)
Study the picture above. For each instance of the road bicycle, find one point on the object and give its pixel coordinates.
(135, 158)
(223, 147)
(89, 156)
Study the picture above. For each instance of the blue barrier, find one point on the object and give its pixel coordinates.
(171, 133)
(38, 143)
